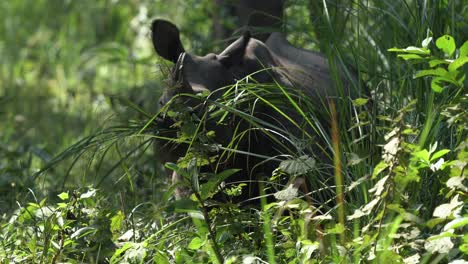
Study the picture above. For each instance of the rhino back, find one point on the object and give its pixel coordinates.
(307, 70)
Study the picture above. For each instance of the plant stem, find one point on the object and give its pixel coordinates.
(338, 173)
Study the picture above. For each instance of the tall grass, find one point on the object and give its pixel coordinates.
(379, 202)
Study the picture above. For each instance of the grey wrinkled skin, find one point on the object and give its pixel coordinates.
(289, 66)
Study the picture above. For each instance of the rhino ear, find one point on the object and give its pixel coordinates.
(234, 54)
(166, 40)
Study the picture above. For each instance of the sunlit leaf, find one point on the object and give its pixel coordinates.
(438, 165)
(426, 41)
(360, 101)
(116, 221)
(464, 50)
(127, 236)
(414, 259)
(88, 194)
(287, 194)
(379, 168)
(412, 50)
(439, 154)
(435, 86)
(457, 63)
(447, 209)
(379, 187)
(435, 62)
(440, 245)
(457, 183)
(196, 243)
(308, 248)
(456, 223)
(447, 44)
(409, 56)
(297, 167)
(431, 72)
(422, 155)
(83, 232)
(63, 196)
(337, 229)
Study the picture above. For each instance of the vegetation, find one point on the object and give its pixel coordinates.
(79, 181)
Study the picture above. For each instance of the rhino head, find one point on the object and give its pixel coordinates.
(195, 74)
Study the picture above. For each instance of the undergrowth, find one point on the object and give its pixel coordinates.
(385, 172)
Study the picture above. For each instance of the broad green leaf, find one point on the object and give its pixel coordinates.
(439, 154)
(337, 229)
(196, 243)
(422, 155)
(457, 63)
(436, 83)
(360, 101)
(464, 50)
(116, 221)
(447, 44)
(379, 168)
(433, 72)
(464, 248)
(436, 87)
(435, 62)
(63, 196)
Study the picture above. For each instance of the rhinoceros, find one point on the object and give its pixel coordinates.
(289, 66)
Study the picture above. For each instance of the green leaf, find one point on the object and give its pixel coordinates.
(118, 255)
(433, 72)
(412, 50)
(422, 155)
(116, 221)
(439, 154)
(196, 243)
(63, 196)
(435, 62)
(360, 101)
(436, 83)
(464, 50)
(457, 63)
(456, 223)
(447, 44)
(409, 56)
(379, 168)
(396, 50)
(337, 229)
(464, 248)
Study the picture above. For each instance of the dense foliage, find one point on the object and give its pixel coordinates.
(79, 177)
